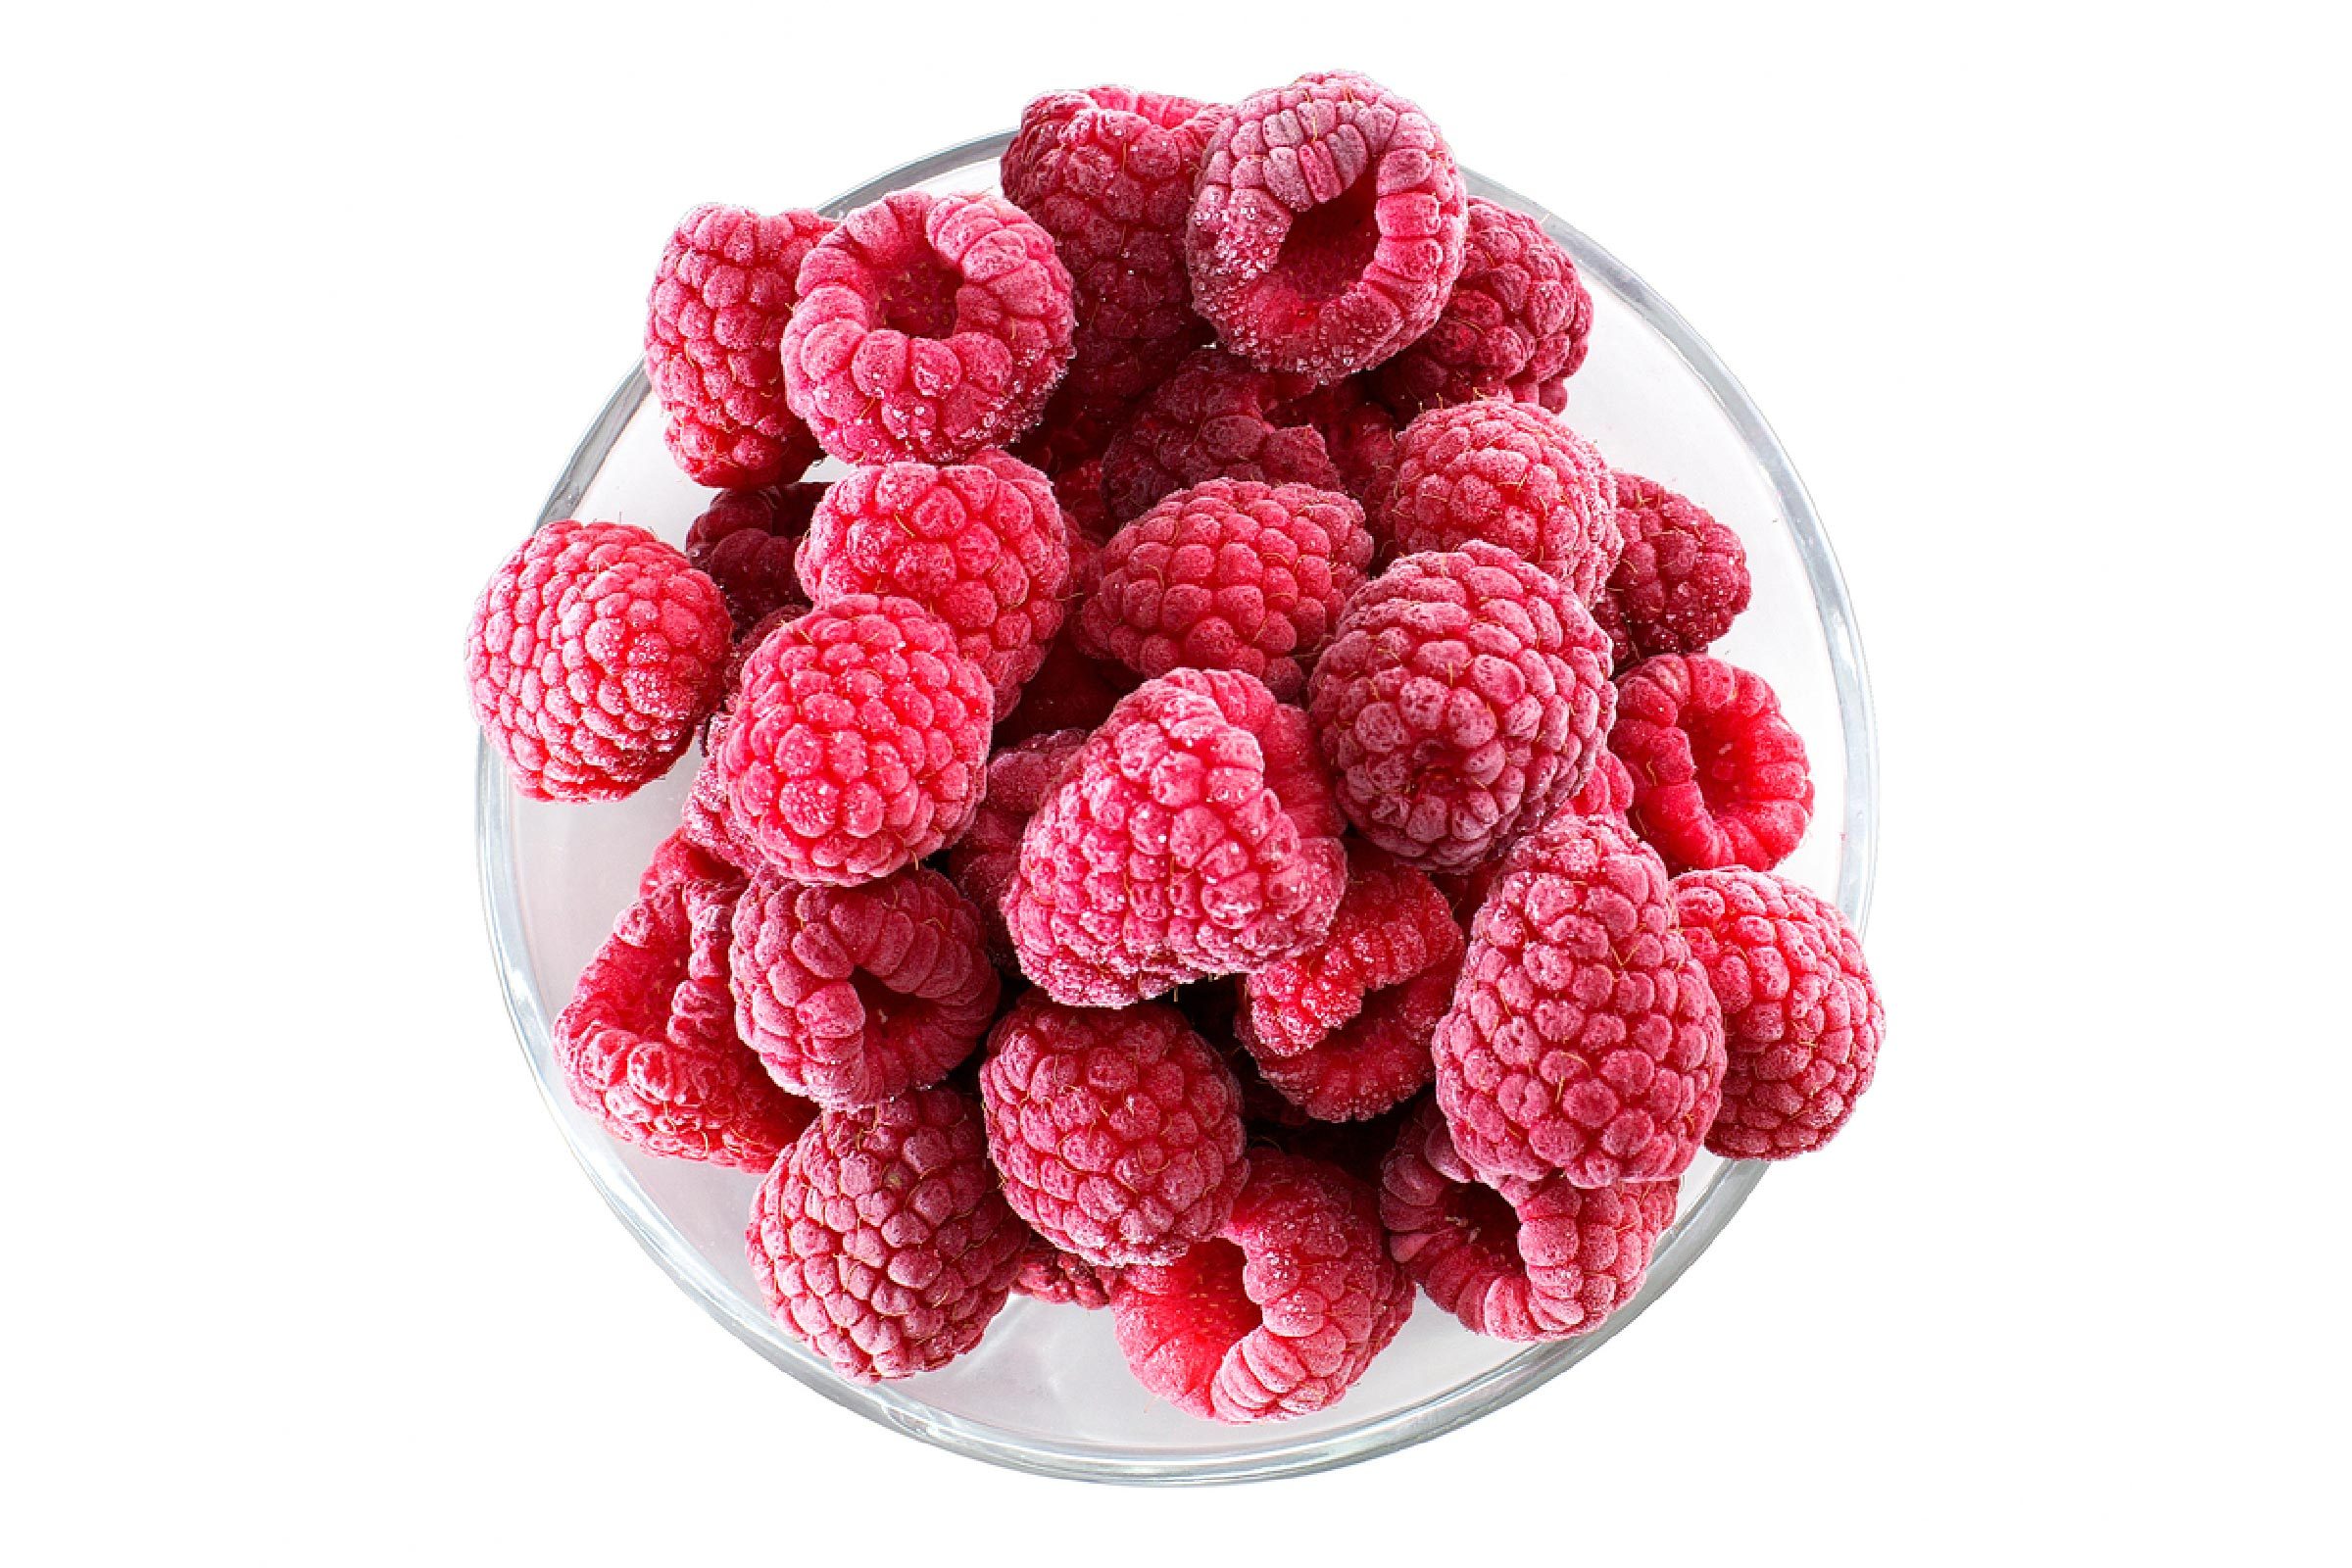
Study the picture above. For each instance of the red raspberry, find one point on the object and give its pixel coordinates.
(1532, 1261)
(1109, 173)
(746, 542)
(1463, 700)
(1514, 327)
(929, 327)
(648, 1043)
(1801, 1018)
(1117, 1133)
(880, 1239)
(1327, 228)
(853, 995)
(1720, 778)
(1215, 418)
(1050, 1274)
(593, 656)
(723, 295)
(1682, 580)
(984, 861)
(1281, 1313)
(1229, 574)
(857, 741)
(1512, 475)
(1069, 691)
(1582, 1038)
(979, 544)
(1360, 435)
(1193, 835)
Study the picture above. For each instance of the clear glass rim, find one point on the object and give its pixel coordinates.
(1529, 1370)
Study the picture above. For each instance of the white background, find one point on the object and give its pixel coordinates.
(304, 310)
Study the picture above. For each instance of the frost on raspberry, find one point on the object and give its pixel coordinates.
(1515, 325)
(746, 540)
(1193, 835)
(725, 288)
(593, 656)
(985, 859)
(1681, 581)
(929, 327)
(1720, 778)
(1327, 228)
(1512, 475)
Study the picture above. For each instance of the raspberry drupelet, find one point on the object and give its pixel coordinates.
(746, 540)
(1515, 325)
(1513, 475)
(1681, 581)
(1720, 778)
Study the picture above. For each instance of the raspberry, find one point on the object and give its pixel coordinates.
(1117, 1134)
(1682, 580)
(1532, 1261)
(881, 1239)
(1582, 1038)
(1463, 700)
(1358, 1148)
(1801, 1018)
(1050, 1274)
(979, 544)
(593, 654)
(1512, 475)
(721, 298)
(857, 741)
(1069, 691)
(928, 328)
(1281, 1313)
(1327, 228)
(1215, 418)
(1360, 435)
(984, 861)
(853, 995)
(1109, 173)
(1069, 434)
(746, 542)
(1229, 574)
(1514, 327)
(1720, 778)
(646, 1045)
(1193, 835)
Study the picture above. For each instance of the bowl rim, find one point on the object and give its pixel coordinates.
(897, 1407)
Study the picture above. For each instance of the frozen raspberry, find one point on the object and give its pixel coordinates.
(1020, 779)
(1079, 491)
(1682, 580)
(1069, 691)
(1523, 1261)
(724, 293)
(593, 656)
(1801, 1018)
(1281, 1313)
(881, 1239)
(1229, 574)
(1512, 475)
(1109, 173)
(1360, 435)
(1215, 418)
(929, 327)
(1193, 835)
(1720, 778)
(746, 542)
(856, 742)
(1514, 327)
(1327, 228)
(1464, 701)
(1582, 1038)
(1050, 1274)
(853, 995)
(980, 544)
(1608, 791)
(648, 1043)
(1117, 1133)
(1068, 435)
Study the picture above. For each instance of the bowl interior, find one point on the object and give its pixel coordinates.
(1047, 1390)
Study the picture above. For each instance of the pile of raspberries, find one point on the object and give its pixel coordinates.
(1223, 812)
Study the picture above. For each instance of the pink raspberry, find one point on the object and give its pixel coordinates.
(1464, 700)
(856, 742)
(593, 656)
(1215, 418)
(1582, 1038)
(1229, 574)
(1512, 475)
(1327, 228)
(1801, 1018)
(1514, 327)
(746, 540)
(985, 859)
(1682, 580)
(1117, 1133)
(1050, 1274)
(880, 1239)
(723, 296)
(1193, 835)
(1520, 1260)
(1281, 1313)
(1720, 778)
(928, 328)
(980, 544)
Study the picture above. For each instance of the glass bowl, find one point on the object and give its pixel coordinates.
(1047, 1390)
